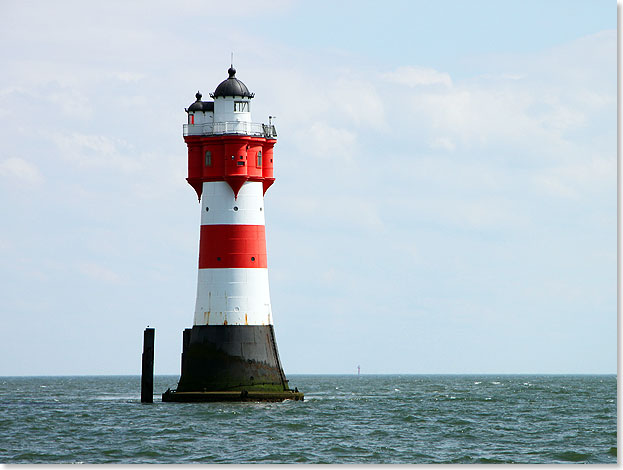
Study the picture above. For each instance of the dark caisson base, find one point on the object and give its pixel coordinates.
(187, 397)
(231, 363)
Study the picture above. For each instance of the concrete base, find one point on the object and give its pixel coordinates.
(231, 358)
(231, 363)
(251, 395)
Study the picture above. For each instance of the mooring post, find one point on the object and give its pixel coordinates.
(147, 374)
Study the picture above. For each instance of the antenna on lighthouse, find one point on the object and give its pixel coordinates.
(232, 59)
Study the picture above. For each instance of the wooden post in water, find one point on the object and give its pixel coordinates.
(147, 373)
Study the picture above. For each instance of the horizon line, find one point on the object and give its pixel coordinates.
(340, 374)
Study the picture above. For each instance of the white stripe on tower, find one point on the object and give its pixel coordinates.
(232, 286)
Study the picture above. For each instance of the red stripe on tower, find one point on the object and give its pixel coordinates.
(232, 246)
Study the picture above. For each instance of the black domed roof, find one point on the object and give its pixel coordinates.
(197, 105)
(201, 105)
(232, 87)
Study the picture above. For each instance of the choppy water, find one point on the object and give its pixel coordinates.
(344, 419)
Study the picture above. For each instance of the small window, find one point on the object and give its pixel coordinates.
(259, 159)
(240, 163)
(208, 158)
(191, 119)
(241, 106)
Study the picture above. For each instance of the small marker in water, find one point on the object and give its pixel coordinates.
(358, 370)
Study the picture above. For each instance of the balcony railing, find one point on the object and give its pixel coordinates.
(231, 127)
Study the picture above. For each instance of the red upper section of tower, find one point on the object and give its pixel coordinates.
(232, 158)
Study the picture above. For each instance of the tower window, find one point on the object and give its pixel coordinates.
(241, 106)
(208, 158)
(259, 159)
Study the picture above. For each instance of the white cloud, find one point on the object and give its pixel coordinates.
(350, 100)
(327, 142)
(96, 151)
(528, 118)
(442, 143)
(99, 273)
(71, 102)
(412, 76)
(358, 101)
(580, 178)
(537, 105)
(553, 184)
(501, 76)
(482, 214)
(476, 116)
(129, 76)
(19, 169)
(10, 90)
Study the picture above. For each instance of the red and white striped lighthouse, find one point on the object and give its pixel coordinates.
(231, 346)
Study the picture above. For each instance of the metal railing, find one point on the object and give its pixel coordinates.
(231, 127)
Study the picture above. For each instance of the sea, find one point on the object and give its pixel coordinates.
(350, 419)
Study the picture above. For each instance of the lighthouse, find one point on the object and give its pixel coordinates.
(230, 353)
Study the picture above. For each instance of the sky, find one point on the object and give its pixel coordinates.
(445, 198)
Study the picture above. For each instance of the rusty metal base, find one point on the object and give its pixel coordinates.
(251, 395)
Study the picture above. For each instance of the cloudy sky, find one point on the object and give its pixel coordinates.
(446, 181)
